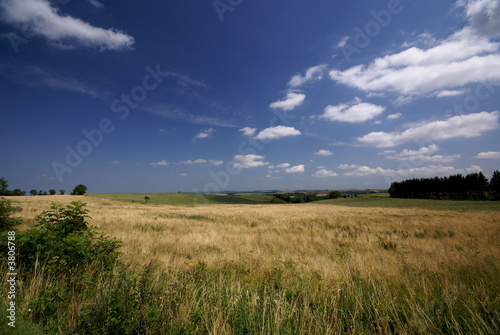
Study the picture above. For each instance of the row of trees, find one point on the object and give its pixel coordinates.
(309, 197)
(78, 190)
(474, 186)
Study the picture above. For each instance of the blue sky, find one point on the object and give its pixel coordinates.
(203, 96)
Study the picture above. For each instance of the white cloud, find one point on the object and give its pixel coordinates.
(466, 126)
(420, 79)
(353, 112)
(473, 169)
(183, 175)
(427, 171)
(161, 163)
(272, 171)
(324, 173)
(449, 93)
(204, 134)
(277, 132)
(347, 166)
(295, 169)
(324, 152)
(312, 74)
(433, 148)
(386, 152)
(115, 162)
(364, 171)
(467, 56)
(484, 17)
(196, 161)
(287, 168)
(291, 101)
(489, 155)
(423, 154)
(248, 161)
(64, 31)
(343, 42)
(189, 162)
(394, 116)
(247, 131)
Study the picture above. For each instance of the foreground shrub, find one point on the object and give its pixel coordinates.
(63, 240)
(6, 210)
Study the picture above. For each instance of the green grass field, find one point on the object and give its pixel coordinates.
(187, 199)
(190, 199)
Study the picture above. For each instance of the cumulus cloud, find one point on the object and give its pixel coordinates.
(277, 132)
(343, 42)
(249, 161)
(196, 161)
(324, 173)
(295, 169)
(291, 101)
(282, 166)
(348, 166)
(424, 154)
(312, 74)
(484, 17)
(214, 162)
(160, 163)
(426, 171)
(64, 31)
(467, 56)
(489, 155)
(394, 116)
(466, 126)
(247, 131)
(353, 112)
(204, 134)
(324, 152)
(473, 169)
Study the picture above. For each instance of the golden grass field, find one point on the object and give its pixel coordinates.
(330, 250)
(331, 239)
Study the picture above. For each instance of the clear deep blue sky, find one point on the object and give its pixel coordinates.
(167, 96)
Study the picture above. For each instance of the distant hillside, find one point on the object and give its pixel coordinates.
(187, 199)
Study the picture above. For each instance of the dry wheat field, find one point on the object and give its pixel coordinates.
(307, 268)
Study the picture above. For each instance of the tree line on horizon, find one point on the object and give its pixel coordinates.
(474, 186)
(78, 190)
(309, 197)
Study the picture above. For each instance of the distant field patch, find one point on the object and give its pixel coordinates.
(187, 199)
(386, 202)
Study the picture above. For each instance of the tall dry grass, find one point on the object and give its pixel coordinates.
(306, 268)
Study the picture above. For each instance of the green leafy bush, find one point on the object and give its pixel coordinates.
(63, 240)
(6, 210)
